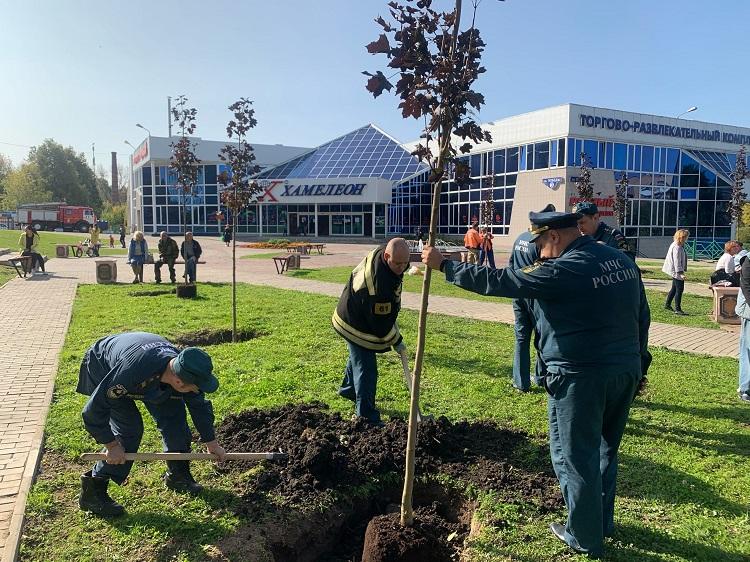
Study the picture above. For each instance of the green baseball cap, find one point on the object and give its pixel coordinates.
(194, 366)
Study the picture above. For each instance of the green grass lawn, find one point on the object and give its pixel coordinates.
(697, 274)
(263, 256)
(685, 459)
(48, 241)
(698, 308)
(6, 274)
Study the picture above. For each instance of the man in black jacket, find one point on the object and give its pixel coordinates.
(366, 318)
(191, 252)
(168, 253)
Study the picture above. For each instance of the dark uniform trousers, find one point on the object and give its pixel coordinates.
(361, 380)
(524, 327)
(587, 417)
(127, 425)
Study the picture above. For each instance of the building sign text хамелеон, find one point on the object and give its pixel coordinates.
(310, 190)
(649, 128)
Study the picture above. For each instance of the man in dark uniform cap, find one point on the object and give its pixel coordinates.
(524, 254)
(594, 361)
(591, 224)
(116, 371)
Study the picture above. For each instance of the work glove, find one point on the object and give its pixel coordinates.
(400, 348)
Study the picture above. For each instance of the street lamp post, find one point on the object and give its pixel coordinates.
(131, 187)
(144, 128)
(690, 110)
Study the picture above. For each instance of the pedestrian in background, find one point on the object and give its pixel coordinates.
(168, 253)
(485, 248)
(472, 241)
(122, 235)
(137, 255)
(94, 233)
(675, 265)
(191, 252)
(227, 235)
(29, 242)
(725, 270)
(743, 311)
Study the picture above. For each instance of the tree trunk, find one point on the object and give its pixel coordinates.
(234, 270)
(407, 511)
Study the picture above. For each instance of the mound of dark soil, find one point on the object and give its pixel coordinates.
(327, 452)
(386, 540)
(151, 293)
(213, 336)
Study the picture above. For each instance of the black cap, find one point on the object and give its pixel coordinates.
(547, 219)
(586, 208)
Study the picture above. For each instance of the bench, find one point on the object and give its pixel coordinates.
(303, 249)
(282, 263)
(318, 247)
(22, 264)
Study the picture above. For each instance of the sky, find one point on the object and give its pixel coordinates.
(84, 72)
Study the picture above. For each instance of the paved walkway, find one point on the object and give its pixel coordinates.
(36, 311)
(34, 315)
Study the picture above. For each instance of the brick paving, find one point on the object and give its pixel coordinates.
(36, 313)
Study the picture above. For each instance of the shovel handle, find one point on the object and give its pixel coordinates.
(188, 456)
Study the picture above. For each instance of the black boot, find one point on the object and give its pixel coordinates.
(94, 497)
(179, 479)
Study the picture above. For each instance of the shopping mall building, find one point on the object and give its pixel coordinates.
(365, 184)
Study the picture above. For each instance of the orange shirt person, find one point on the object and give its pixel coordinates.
(473, 241)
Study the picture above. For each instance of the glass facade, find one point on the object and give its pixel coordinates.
(494, 171)
(162, 200)
(669, 188)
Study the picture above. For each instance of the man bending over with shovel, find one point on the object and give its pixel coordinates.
(366, 318)
(116, 371)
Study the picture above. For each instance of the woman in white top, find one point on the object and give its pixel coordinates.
(675, 265)
(725, 270)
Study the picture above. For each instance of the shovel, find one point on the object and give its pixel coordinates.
(188, 456)
(407, 379)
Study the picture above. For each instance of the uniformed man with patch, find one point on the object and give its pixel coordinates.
(120, 369)
(593, 323)
(591, 224)
(523, 254)
(366, 318)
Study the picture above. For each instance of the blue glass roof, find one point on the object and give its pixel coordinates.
(719, 162)
(366, 152)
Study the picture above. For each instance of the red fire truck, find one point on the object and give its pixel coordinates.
(49, 216)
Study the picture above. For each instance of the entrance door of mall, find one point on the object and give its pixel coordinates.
(301, 224)
(347, 225)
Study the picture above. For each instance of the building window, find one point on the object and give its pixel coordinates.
(541, 155)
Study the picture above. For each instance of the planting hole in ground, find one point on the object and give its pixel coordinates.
(155, 293)
(316, 505)
(214, 337)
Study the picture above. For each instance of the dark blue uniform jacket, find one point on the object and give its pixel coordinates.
(128, 367)
(592, 313)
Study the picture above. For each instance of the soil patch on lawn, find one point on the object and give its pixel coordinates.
(151, 293)
(341, 473)
(214, 336)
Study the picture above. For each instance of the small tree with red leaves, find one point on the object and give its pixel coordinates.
(237, 187)
(437, 64)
